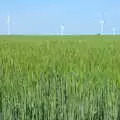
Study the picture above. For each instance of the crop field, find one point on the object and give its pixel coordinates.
(60, 77)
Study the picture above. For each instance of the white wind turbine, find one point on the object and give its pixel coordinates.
(62, 29)
(102, 27)
(114, 31)
(8, 25)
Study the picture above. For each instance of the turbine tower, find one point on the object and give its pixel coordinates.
(102, 27)
(102, 21)
(8, 25)
(114, 31)
(62, 29)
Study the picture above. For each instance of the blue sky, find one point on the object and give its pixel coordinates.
(46, 16)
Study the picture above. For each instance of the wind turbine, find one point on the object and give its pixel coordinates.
(102, 24)
(114, 31)
(102, 27)
(8, 25)
(62, 29)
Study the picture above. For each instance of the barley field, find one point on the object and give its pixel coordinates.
(60, 77)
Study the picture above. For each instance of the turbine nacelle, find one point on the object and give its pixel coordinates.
(102, 22)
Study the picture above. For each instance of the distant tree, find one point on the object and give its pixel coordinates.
(98, 34)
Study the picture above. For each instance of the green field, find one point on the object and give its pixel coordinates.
(60, 77)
